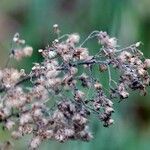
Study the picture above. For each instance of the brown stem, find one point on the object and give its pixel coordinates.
(28, 77)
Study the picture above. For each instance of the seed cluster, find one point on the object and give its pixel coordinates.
(56, 105)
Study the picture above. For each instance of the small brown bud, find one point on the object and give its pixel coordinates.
(98, 86)
(109, 110)
(102, 67)
(124, 94)
(79, 95)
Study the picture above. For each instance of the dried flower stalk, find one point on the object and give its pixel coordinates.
(63, 78)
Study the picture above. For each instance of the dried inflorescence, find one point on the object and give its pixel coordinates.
(56, 104)
(19, 49)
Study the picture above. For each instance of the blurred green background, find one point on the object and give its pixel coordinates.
(128, 20)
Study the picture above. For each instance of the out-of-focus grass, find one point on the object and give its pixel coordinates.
(128, 20)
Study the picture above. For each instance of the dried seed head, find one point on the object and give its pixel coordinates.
(110, 121)
(52, 54)
(73, 38)
(98, 86)
(16, 135)
(141, 71)
(79, 95)
(125, 56)
(73, 70)
(69, 132)
(109, 110)
(147, 63)
(124, 94)
(113, 42)
(25, 118)
(60, 79)
(28, 50)
(103, 67)
(9, 124)
(35, 142)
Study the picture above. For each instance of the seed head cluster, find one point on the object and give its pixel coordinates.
(62, 92)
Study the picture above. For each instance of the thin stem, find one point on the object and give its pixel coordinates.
(109, 74)
(7, 62)
(86, 106)
(63, 36)
(31, 76)
(92, 61)
(126, 48)
(110, 77)
(89, 37)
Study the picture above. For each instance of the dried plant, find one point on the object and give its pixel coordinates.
(56, 104)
